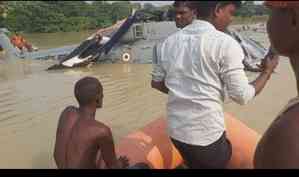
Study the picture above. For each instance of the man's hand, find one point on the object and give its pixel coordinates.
(124, 161)
(160, 86)
(269, 64)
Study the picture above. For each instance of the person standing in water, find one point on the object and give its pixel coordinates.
(18, 41)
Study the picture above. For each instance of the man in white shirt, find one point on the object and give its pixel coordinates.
(193, 66)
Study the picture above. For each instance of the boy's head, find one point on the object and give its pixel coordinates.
(185, 13)
(219, 13)
(89, 91)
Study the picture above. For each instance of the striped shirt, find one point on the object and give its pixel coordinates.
(196, 64)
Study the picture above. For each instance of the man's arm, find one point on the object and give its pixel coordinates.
(106, 146)
(158, 73)
(268, 66)
(68, 116)
(234, 77)
(160, 86)
(59, 156)
(261, 81)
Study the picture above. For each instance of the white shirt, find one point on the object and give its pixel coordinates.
(196, 64)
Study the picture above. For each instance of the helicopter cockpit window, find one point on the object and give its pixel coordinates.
(138, 31)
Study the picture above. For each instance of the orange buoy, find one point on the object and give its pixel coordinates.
(151, 145)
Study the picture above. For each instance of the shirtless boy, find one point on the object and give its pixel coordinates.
(81, 141)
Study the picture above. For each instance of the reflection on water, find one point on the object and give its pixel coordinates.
(32, 99)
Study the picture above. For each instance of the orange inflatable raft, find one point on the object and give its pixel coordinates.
(151, 145)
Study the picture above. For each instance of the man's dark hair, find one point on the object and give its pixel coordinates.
(190, 4)
(87, 89)
(206, 8)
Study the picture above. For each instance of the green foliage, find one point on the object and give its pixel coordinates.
(120, 10)
(55, 16)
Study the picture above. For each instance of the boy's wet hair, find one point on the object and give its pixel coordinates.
(87, 90)
(206, 8)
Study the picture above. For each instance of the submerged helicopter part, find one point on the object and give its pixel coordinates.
(94, 49)
(254, 52)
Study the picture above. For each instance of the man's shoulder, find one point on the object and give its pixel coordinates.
(286, 123)
(222, 40)
(292, 112)
(219, 35)
(68, 115)
(171, 37)
(70, 110)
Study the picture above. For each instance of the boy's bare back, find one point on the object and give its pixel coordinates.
(78, 141)
(81, 141)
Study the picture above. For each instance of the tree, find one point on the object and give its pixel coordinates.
(3, 12)
(54, 16)
(136, 6)
(120, 10)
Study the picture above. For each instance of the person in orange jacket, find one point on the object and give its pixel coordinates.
(18, 41)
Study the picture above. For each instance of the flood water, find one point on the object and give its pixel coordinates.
(31, 100)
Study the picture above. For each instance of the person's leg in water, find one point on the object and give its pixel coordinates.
(214, 156)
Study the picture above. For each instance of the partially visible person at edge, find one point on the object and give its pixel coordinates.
(279, 146)
(81, 141)
(193, 66)
(223, 16)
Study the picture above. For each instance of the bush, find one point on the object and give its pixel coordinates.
(56, 16)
